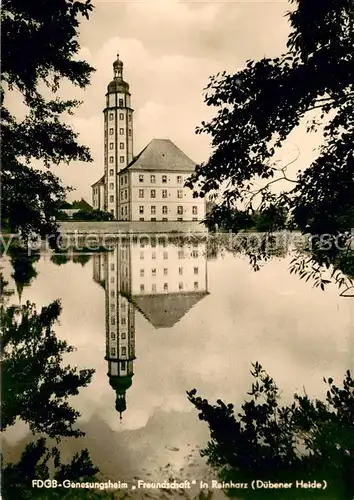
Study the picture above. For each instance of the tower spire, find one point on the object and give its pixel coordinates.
(118, 68)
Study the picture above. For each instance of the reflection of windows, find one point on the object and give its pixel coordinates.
(164, 193)
(164, 219)
(180, 270)
(196, 285)
(165, 287)
(153, 287)
(164, 178)
(152, 179)
(124, 351)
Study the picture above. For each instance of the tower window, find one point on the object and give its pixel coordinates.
(141, 178)
(130, 117)
(141, 193)
(123, 366)
(124, 351)
(121, 131)
(180, 210)
(113, 351)
(152, 179)
(164, 209)
(121, 195)
(164, 178)
(111, 159)
(153, 193)
(111, 116)
(111, 145)
(111, 185)
(121, 159)
(121, 103)
(126, 194)
(111, 131)
(195, 210)
(121, 116)
(153, 209)
(164, 194)
(111, 198)
(113, 336)
(179, 193)
(121, 145)
(141, 209)
(179, 179)
(130, 132)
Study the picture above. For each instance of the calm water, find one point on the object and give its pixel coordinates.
(155, 321)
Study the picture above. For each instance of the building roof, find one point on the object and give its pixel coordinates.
(164, 311)
(161, 155)
(100, 181)
(81, 205)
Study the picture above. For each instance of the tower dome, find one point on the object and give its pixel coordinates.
(118, 84)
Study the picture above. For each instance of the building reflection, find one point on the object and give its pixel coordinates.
(162, 279)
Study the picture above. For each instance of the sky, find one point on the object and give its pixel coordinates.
(169, 50)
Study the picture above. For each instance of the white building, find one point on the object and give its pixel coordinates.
(161, 279)
(150, 186)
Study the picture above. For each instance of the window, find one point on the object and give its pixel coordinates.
(153, 287)
(141, 193)
(180, 254)
(142, 255)
(153, 272)
(164, 178)
(126, 194)
(129, 132)
(111, 185)
(180, 286)
(153, 193)
(122, 211)
(124, 320)
(194, 219)
(111, 130)
(111, 198)
(153, 243)
(124, 336)
(111, 145)
(152, 179)
(165, 255)
(113, 307)
(113, 336)
(179, 193)
(153, 219)
(165, 287)
(141, 209)
(123, 365)
(142, 288)
(142, 272)
(153, 209)
(141, 219)
(180, 219)
(121, 131)
(196, 270)
(130, 117)
(121, 194)
(164, 193)
(121, 116)
(141, 178)
(111, 116)
(179, 179)
(121, 145)
(121, 103)
(153, 255)
(164, 219)
(113, 351)
(113, 321)
(111, 159)
(194, 253)
(180, 270)
(164, 209)
(180, 210)
(165, 271)
(121, 159)
(126, 210)
(194, 210)
(124, 351)
(126, 179)
(113, 293)
(111, 171)
(196, 285)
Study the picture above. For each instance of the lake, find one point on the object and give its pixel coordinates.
(157, 319)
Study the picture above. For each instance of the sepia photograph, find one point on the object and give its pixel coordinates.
(177, 249)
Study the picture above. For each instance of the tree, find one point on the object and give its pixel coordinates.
(260, 105)
(39, 49)
(308, 439)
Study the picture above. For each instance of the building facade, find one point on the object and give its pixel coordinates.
(150, 186)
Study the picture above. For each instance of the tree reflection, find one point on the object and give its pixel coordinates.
(22, 263)
(307, 440)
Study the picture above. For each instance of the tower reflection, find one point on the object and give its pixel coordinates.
(159, 277)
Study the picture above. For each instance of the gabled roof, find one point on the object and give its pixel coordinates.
(164, 311)
(100, 181)
(161, 155)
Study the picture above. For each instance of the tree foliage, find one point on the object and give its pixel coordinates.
(39, 50)
(308, 439)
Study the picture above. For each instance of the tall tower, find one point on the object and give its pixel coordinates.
(118, 136)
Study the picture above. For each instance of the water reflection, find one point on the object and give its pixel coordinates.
(162, 279)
